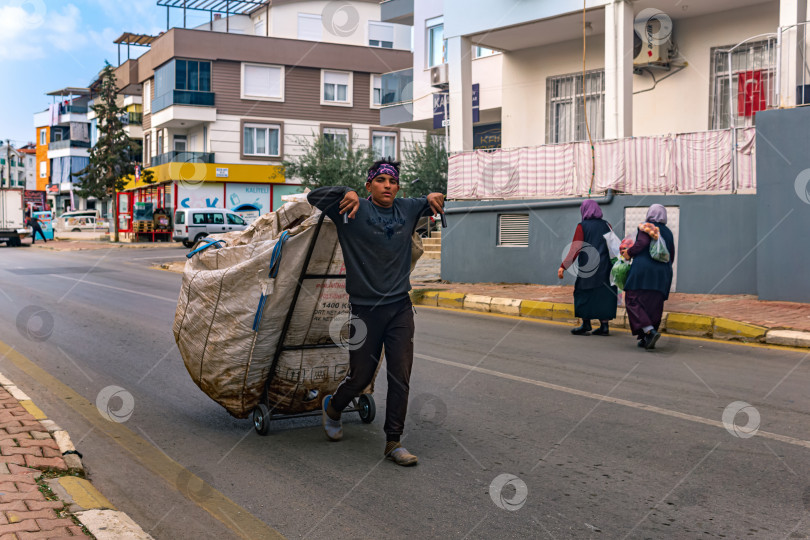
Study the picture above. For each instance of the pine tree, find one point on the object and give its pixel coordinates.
(115, 155)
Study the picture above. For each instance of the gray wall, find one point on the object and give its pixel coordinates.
(783, 206)
(718, 235)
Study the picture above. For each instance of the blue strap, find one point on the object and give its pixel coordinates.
(208, 243)
(275, 263)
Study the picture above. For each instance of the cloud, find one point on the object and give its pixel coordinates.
(30, 31)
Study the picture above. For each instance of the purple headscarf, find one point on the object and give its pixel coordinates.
(657, 214)
(590, 209)
(384, 168)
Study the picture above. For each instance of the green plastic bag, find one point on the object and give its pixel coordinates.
(659, 251)
(619, 272)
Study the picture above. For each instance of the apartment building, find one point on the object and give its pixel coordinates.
(664, 109)
(226, 102)
(12, 167)
(63, 147)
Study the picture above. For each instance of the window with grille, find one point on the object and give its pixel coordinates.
(513, 230)
(753, 83)
(565, 118)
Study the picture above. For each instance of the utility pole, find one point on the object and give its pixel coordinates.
(8, 163)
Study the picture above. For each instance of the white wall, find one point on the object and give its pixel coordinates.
(678, 104)
(342, 22)
(237, 24)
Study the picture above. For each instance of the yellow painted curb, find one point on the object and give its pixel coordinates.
(562, 312)
(621, 319)
(451, 300)
(430, 298)
(689, 324)
(538, 310)
(728, 329)
(84, 494)
(508, 306)
(35, 411)
(477, 303)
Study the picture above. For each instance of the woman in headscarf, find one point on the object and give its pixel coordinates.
(649, 280)
(594, 297)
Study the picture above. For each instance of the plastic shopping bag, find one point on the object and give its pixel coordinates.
(619, 272)
(659, 251)
(613, 243)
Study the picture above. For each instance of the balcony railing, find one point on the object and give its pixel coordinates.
(183, 97)
(76, 109)
(132, 119)
(67, 143)
(183, 157)
(397, 87)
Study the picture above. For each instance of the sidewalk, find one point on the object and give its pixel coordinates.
(782, 323)
(82, 245)
(43, 490)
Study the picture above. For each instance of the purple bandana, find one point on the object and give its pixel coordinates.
(384, 168)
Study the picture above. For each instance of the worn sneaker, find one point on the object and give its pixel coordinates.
(401, 456)
(333, 428)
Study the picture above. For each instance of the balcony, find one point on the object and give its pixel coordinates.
(67, 143)
(397, 11)
(72, 109)
(397, 97)
(132, 119)
(183, 157)
(183, 97)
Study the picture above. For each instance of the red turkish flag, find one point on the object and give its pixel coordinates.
(751, 96)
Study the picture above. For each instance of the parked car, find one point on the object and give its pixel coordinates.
(191, 224)
(80, 221)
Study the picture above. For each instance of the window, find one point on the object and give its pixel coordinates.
(337, 87)
(481, 52)
(262, 82)
(437, 45)
(309, 27)
(179, 217)
(233, 219)
(376, 90)
(513, 230)
(192, 75)
(381, 35)
(753, 79)
(564, 111)
(201, 219)
(340, 135)
(159, 143)
(384, 144)
(261, 140)
(147, 149)
(147, 96)
(43, 169)
(43, 137)
(180, 143)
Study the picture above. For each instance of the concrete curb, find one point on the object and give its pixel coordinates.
(89, 506)
(684, 324)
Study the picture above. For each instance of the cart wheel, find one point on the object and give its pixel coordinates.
(367, 408)
(261, 419)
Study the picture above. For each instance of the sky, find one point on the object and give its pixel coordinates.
(47, 45)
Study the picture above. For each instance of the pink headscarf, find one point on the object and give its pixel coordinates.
(590, 209)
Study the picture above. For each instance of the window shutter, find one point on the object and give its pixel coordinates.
(309, 27)
(513, 230)
(263, 81)
(380, 32)
(330, 77)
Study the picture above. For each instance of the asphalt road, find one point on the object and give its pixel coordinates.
(522, 429)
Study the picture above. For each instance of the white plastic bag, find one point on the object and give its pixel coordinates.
(613, 243)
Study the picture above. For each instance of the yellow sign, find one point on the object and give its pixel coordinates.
(211, 172)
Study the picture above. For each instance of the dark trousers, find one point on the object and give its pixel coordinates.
(389, 325)
(37, 229)
(644, 308)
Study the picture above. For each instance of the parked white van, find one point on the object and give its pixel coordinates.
(191, 224)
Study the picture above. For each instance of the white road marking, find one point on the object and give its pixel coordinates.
(172, 300)
(616, 401)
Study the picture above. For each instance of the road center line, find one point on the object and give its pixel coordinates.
(608, 399)
(172, 300)
(215, 502)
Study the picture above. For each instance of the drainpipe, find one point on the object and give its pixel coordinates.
(607, 199)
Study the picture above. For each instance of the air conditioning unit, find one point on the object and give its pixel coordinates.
(652, 38)
(438, 76)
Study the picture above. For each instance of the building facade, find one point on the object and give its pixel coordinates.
(224, 104)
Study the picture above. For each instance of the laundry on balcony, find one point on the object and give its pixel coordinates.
(682, 163)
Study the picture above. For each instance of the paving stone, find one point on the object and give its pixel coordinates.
(27, 525)
(39, 505)
(54, 462)
(50, 524)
